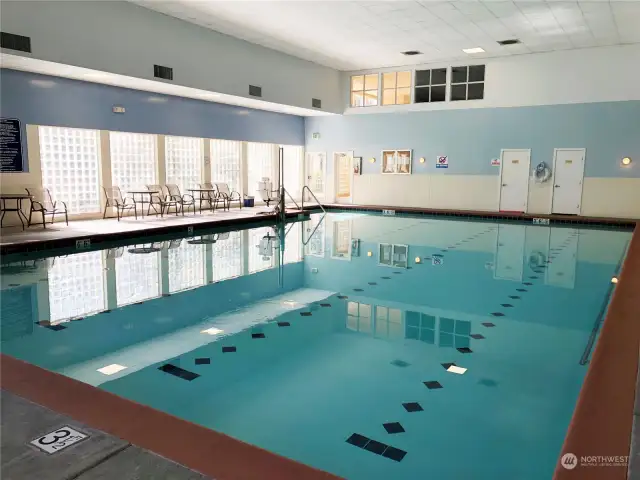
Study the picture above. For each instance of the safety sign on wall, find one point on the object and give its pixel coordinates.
(437, 261)
(442, 162)
(495, 162)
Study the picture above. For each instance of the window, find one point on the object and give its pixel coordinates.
(364, 90)
(293, 157)
(431, 85)
(396, 161)
(359, 317)
(467, 83)
(388, 323)
(133, 160)
(137, 277)
(454, 333)
(293, 243)
(262, 161)
(70, 162)
(396, 88)
(262, 249)
(393, 255)
(341, 247)
(421, 326)
(76, 286)
(184, 162)
(225, 163)
(227, 255)
(186, 266)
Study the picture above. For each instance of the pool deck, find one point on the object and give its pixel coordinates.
(14, 239)
(602, 423)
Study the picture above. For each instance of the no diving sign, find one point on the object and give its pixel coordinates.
(55, 441)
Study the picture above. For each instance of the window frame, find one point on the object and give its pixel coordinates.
(430, 85)
(364, 90)
(467, 82)
(395, 88)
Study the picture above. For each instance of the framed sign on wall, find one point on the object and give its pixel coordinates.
(396, 162)
(11, 159)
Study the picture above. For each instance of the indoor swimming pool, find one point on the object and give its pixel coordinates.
(371, 347)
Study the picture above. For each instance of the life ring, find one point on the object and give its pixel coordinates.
(542, 173)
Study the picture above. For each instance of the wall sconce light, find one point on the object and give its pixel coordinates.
(614, 280)
(421, 159)
(372, 160)
(626, 161)
(418, 260)
(369, 254)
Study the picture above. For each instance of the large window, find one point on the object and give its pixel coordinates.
(431, 85)
(293, 243)
(359, 317)
(396, 88)
(137, 277)
(186, 266)
(292, 162)
(467, 83)
(184, 162)
(70, 159)
(262, 249)
(133, 160)
(227, 256)
(364, 90)
(76, 286)
(225, 163)
(262, 161)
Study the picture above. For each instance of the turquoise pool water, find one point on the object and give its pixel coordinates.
(337, 352)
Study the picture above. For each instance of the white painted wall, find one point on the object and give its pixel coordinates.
(575, 76)
(601, 197)
(123, 38)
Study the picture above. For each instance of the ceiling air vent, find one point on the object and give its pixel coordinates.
(511, 41)
(410, 53)
(12, 41)
(316, 103)
(163, 72)
(255, 91)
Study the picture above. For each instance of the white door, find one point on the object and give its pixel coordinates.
(315, 174)
(514, 180)
(344, 175)
(568, 172)
(509, 257)
(561, 272)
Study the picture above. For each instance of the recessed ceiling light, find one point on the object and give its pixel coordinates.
(509, 41)
(111, 369)
(456, 369)
(473, 50)
(410, 53)
(212, 331)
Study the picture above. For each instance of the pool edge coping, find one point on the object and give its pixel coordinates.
(602, 420)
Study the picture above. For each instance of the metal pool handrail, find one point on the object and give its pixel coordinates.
(314, 231)
(306, 187)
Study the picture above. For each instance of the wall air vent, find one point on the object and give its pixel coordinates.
(316, 103)
(255, 91)
(510, 41)
(165, 73)
(12, 41)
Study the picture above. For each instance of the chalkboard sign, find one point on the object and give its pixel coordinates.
(10, 145)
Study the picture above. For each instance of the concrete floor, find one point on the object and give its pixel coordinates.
(100, 456)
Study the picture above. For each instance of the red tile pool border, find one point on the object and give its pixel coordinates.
(196, 447)
(603, 417)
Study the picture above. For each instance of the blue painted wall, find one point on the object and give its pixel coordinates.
(44, 100)
(472, 137)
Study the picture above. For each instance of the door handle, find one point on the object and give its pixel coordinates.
(556, 186)
(504, 184)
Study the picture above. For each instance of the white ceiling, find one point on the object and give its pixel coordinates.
(16, 62)
(354, 35)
